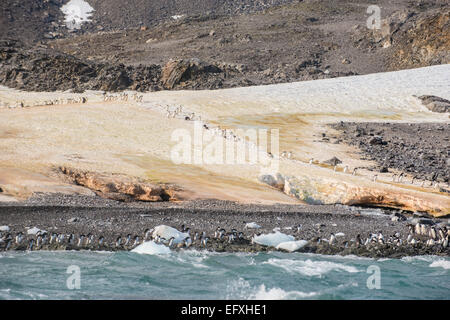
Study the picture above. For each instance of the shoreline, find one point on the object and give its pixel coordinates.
(84, 215)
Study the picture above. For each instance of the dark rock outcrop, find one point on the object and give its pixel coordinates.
(435, 104)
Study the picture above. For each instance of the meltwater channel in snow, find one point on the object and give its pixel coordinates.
(202, 275)
(76, 13)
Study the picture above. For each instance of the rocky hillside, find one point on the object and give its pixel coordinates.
(214, 44)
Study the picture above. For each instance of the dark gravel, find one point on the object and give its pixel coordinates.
(420, 149)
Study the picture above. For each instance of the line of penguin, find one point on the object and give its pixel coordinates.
(419, 235)
(44, 240)
(398, 178)
(22, 104)
(122, 97)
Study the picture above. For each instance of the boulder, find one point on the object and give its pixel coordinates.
(176, 71)
(435, 104)
(333, 161)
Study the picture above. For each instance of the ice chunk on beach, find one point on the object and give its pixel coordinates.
(4, 228)
(167, 232)
(34, 231)
(292, 246)
(177, 16)
(340, 234)
(76, 12)
(252, 225)
(150, 247)
(272, 239)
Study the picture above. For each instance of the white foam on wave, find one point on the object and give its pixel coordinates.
(242, 290)
(441, 264)
(272, 239)
(279, 294)
(309, 267)
(419, 258)
(152, 248)
(76, 13)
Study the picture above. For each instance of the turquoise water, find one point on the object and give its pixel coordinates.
(201, 275)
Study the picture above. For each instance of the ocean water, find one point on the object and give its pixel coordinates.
(202, 275)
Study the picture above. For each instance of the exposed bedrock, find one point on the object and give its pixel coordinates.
(353, 191)
(120, 187)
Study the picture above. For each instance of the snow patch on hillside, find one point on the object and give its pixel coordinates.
(76, 13)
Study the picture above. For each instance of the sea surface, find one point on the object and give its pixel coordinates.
(202, 275)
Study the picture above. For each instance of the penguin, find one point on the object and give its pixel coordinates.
(60, 238)
(53, 238)
(375, 178)
(188, 242)
(230, 238)
(423, 229)
(38, 241)
(216, 233)
(30, 245)
(81, 240)
(445, 243)
(366, 243)
(171, 242)
(358, 240)
(311, 161)
(136, 241)
(221, 233)
(393, 177)
(118, 241)
(380, 236)
(71, 239)
(417, 228)
(432, 233)
(8, 244)
(195, 236)
(413, 241)
(332, 239)
(19, 238)
(240, 236)
(147, 234)
(441, 234)
(205, 241)
(45, 239)
(410, 237)
(345, 169)
(299, 227)
(101, 239)
(90, 239)
(127, 241)
(354, 171)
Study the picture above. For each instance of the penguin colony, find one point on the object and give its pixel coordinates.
(420, 235)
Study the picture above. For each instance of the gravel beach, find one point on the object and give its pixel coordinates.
(81, 215)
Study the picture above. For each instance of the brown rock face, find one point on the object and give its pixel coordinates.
(176, 71)
(121, 188)
(436, 104)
